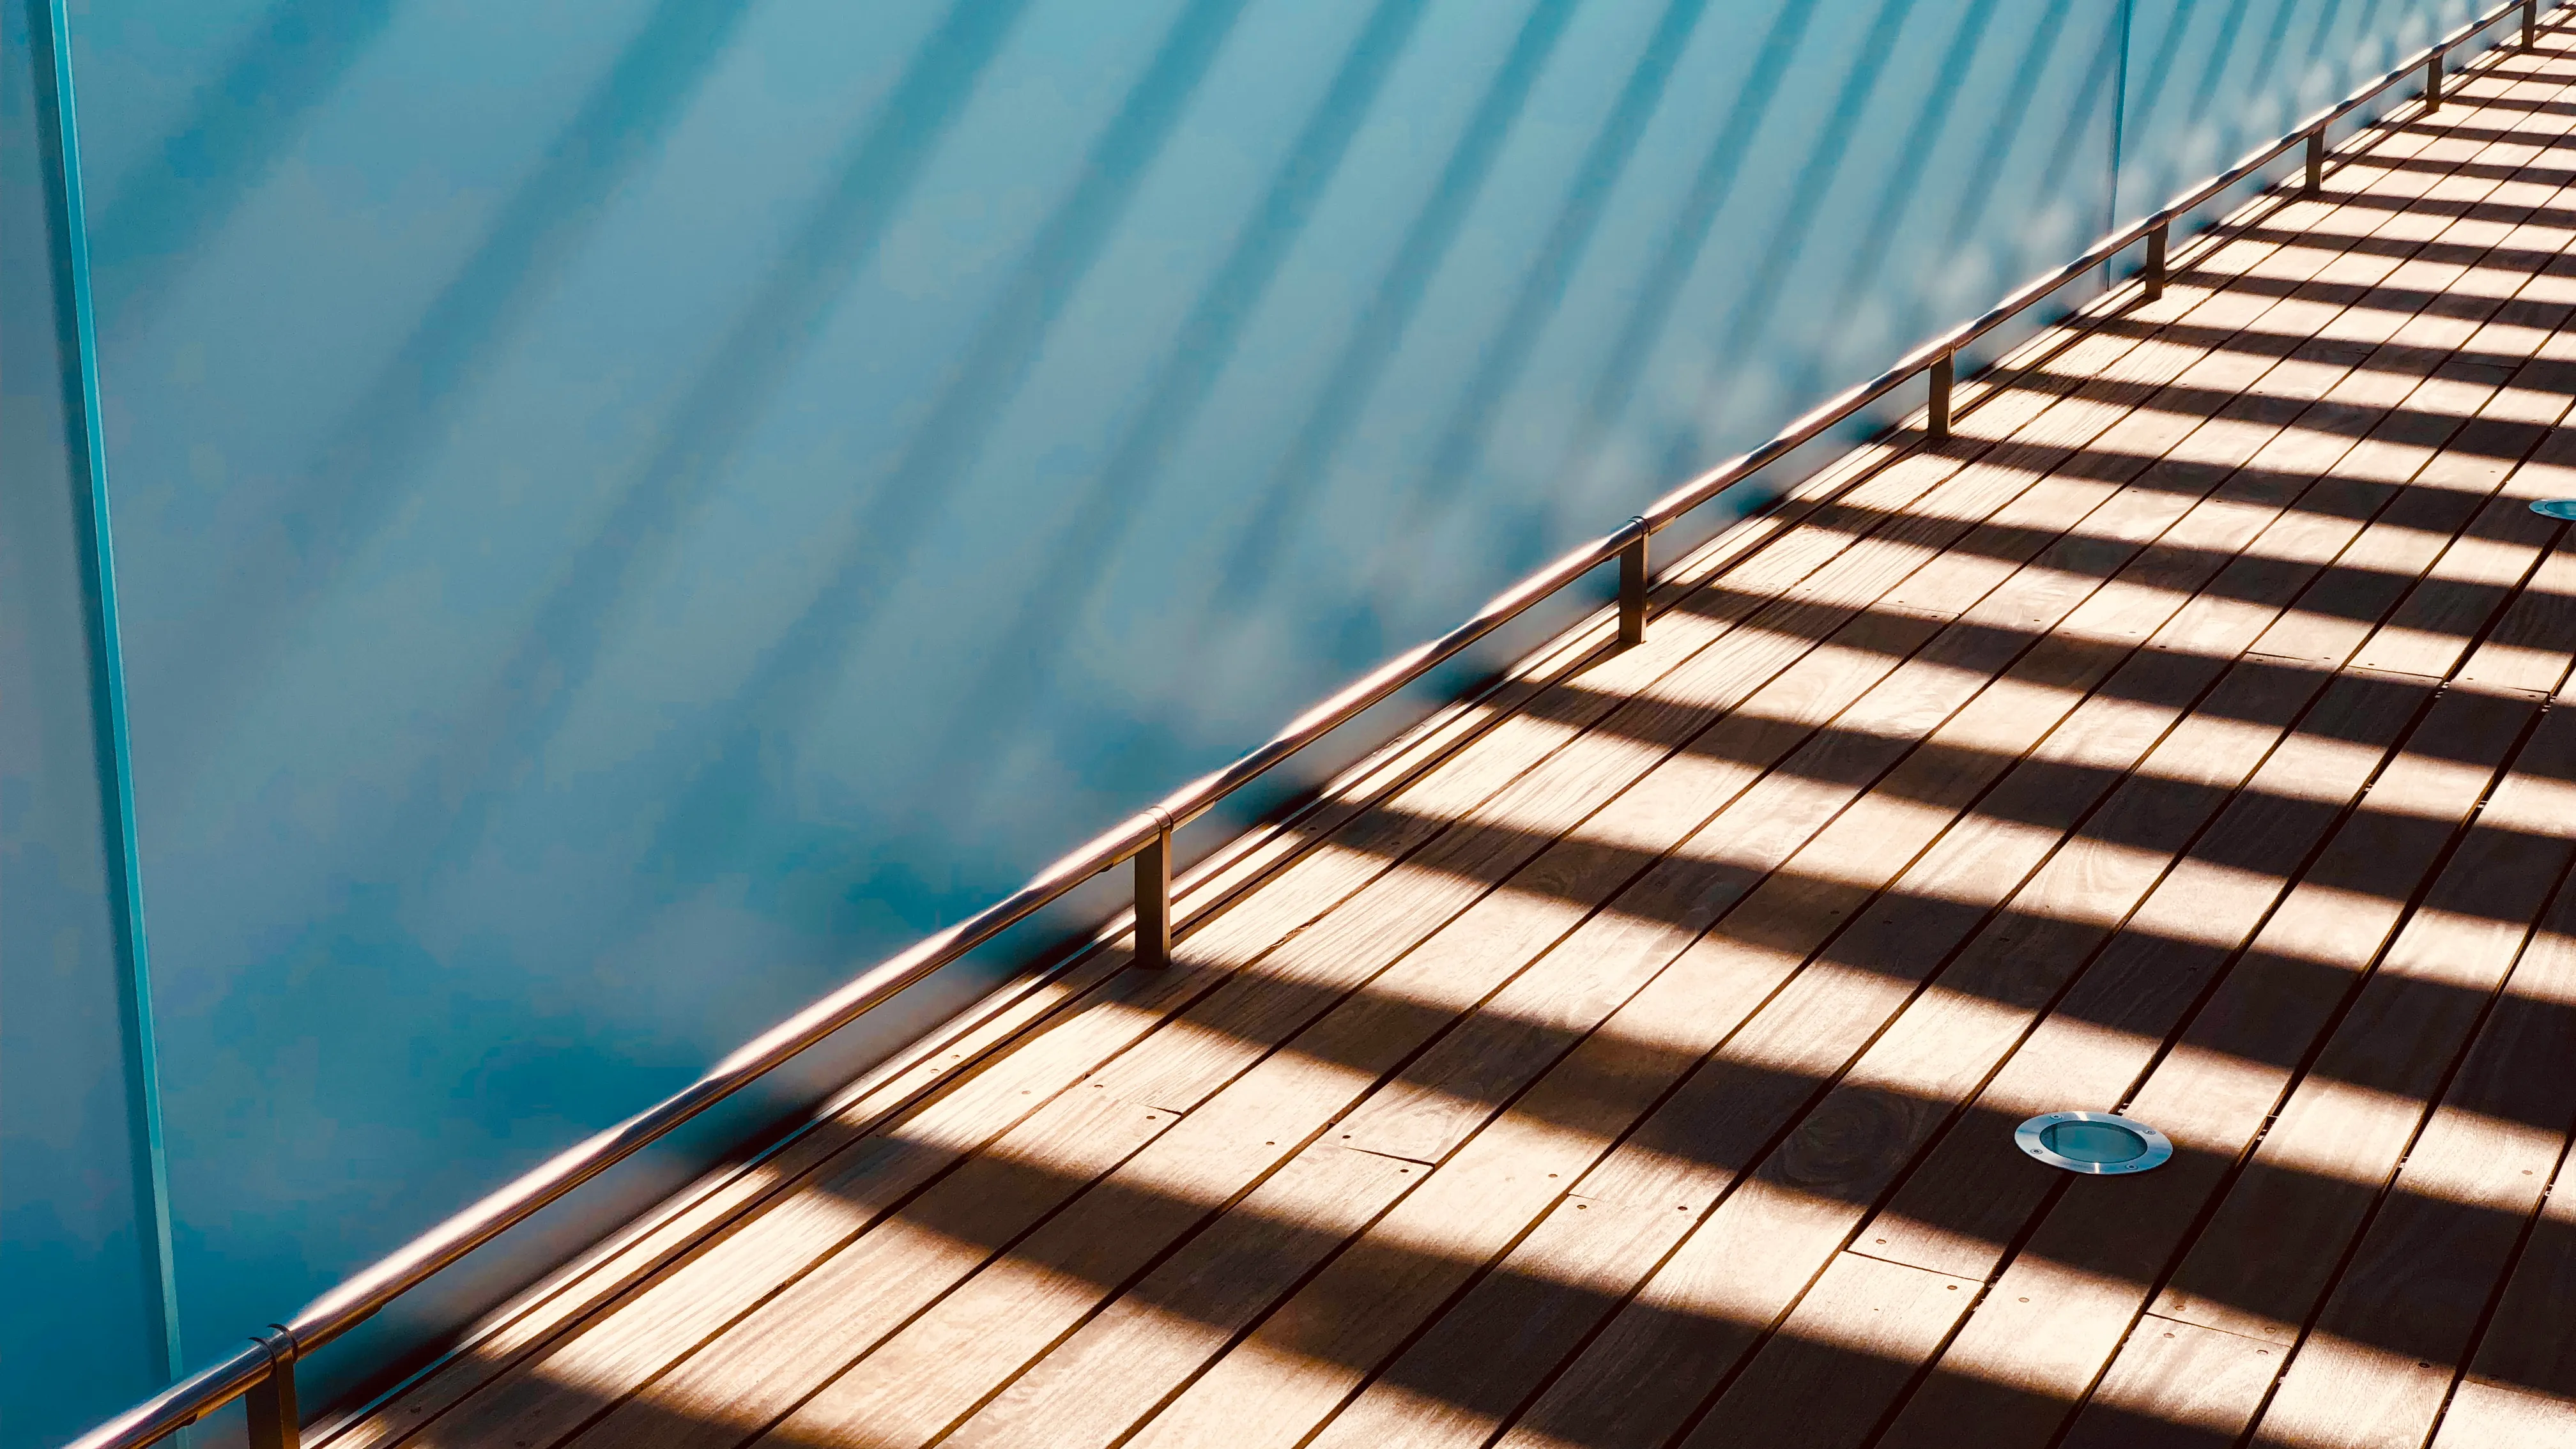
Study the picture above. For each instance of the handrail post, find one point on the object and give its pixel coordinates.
(2433, 80)
(1632, 587)
(2155, 271)
(271, 1402)
(1937, 421)
(2316, 160)
(1154, 899)
(2531, 24)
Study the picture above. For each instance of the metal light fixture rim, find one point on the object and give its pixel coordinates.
(2031, 1138)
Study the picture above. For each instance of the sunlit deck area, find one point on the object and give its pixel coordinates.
(1631, 1057)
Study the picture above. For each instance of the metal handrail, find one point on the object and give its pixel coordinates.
(264, 1371)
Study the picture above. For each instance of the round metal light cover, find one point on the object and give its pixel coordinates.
(2555, 508)
(2094, 1142)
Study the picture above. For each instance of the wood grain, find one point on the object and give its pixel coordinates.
(1846, 1350)
(2066, 1298)
(2521, 1380)
(2266, 1258)
(2177, 1386)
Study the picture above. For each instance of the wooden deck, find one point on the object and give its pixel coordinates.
(1631, 1057)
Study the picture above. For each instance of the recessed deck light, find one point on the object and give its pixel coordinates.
(2555, 508)
(2094, 1142)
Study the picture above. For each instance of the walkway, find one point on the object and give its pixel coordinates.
(1632, 1058)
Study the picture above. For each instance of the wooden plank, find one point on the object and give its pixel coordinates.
(1458, 796)
(2458, 1205)
(1175, 1095)
(1457, 1383)
(1956, 1210)
(2056, 401)
(1385, 1026)
(2380, 1358)
(725, 1276)
(697, 1220)
(579, 1377)
(1438, 1100)
(2265, 1259)
(1661, 1028)
(1180, 1175)
(947, 1362)
(1305, 974)
(1919, 1234)
(2016, 1370)
(1119, 1364)
(1312, 973)
(1709, 1304)
(1654, 1018)
(2520, 1392)
(2428, 208)
(1490, 1176)
(1694, 1115)
(2502, 1416)
(1846, 1350)
(758, 1367)
(2520, 652)
(1639, 1383)
(2177, 1386)
(1464, 1354)
(2369, 479)
(2521, 1382)
(2375, 571)
(1299, 1360)
(1553, 1129)
(1382, 1146)
(2444, 612)
(2478, 574)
